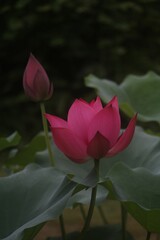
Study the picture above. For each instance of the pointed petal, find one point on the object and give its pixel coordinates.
(97, 105)
(31, 69)
(107, 122)
(70, 145)
(41, 85)
(114, 102)
(36, 82)
(98, 146)
(56, 121)
(79, 117)
(125, 139)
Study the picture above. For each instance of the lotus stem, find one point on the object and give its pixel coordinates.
(123, 221)
(82, 212)
(63, 232)
(91, 205)
(90, 211)
(47, 139)
(148, 236)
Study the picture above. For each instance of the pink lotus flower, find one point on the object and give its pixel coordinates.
(91, 130)
(35, 81)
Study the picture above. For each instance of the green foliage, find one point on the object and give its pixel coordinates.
(143, 152)
(138, 189)
(73, 39)
(29, 199)
(133, 177)
(84, 196)
(27, 153)
(9, 142)
(139, 94)
(15, 155)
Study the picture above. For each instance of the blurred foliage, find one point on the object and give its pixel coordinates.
(136, 94)
(72, 39)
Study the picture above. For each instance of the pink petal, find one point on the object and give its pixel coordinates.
(69, 144)
(79, 117)
(107, 122)
(41, 85)
(56, 121)
(31, 69)
(125, 139)
(36, 82)
(97, 105)
(114, 102)
(98, 146)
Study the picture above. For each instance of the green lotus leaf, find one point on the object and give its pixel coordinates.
(135, 94)
(84, 196)
(142, 155)
(29, 198)
(83, 174)
(133, 177)
(143, 152)
(139, 191)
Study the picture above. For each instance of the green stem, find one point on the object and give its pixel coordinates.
(63, 232)
(82, 212)
(102, 215)
(91, 206)
(47, 139)
(123, 221)
(148, 236)
(90, 210)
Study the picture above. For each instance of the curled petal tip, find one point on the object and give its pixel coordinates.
(125, 139)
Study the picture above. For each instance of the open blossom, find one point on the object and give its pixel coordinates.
(35, 81)
(91, 130)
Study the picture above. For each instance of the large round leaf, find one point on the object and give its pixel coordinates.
(135, 94)
(143, 152)
(133, 176)
(81, 173)
(30, 198)
(139, 191)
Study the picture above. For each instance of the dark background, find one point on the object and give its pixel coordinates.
(71, 39)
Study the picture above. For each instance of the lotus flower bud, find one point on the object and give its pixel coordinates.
(36, 83)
